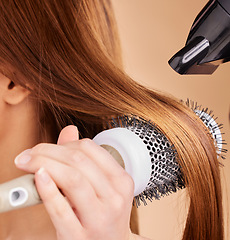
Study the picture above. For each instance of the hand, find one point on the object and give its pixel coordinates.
(86, 193)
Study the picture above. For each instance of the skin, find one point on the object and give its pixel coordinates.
(96, 193)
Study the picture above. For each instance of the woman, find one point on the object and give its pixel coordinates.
(60, 64)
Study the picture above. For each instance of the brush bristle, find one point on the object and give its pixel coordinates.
(166, 176)
(214, 128)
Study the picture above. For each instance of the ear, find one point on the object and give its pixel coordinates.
(14, 94)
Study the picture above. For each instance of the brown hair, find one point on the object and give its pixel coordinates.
(68, 54)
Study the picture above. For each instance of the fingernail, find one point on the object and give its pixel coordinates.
(23, 157)
(43, 175)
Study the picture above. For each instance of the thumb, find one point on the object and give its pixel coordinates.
(68, 134)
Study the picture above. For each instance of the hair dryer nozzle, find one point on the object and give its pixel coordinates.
(187, 59)
(208, 43)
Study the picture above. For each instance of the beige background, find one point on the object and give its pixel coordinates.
(151, 32)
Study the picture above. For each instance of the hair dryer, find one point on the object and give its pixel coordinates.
(208, 42)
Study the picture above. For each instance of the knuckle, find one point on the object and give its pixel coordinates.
(126, 185)
(85, 143)
(77, 156)
(74, 180)
(37, 159)
(39, 148)
(60, 211)
(101, 221)
(94, 231)
(129, 183)
(118, 203)
(60, 234)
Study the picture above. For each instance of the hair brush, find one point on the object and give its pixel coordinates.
(138, 145)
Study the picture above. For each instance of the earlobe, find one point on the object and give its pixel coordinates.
(15, 94)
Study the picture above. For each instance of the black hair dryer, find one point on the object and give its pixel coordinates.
(208, 43)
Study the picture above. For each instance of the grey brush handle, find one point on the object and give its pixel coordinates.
(18, 193)
(21, 192)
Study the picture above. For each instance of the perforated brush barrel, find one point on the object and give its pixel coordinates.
(148, 157)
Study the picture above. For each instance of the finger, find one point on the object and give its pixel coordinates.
(99, 155)
(73, 159)
(73, 184)
(108, 165)
(102, 157)
(119, 178)
(68, 134)
(59, 210)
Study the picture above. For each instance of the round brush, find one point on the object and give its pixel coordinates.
(138, 145)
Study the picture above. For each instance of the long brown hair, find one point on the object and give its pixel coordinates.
(68, 54)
